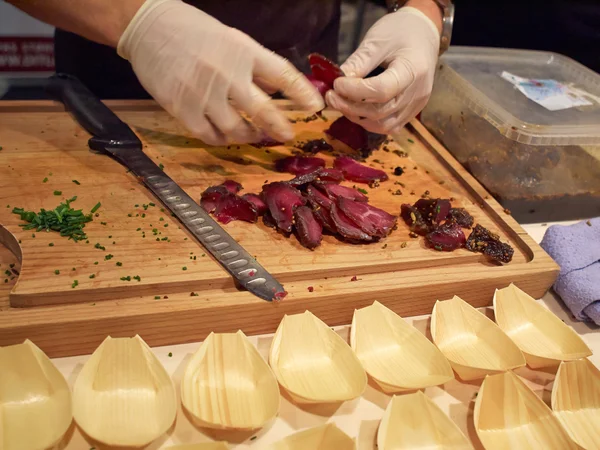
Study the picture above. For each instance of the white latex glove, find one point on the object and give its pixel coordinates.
(407, 44)
(193, 65)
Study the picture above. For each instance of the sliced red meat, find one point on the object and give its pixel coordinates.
(282, 200)
(321, 204)
(433, 210)
(257, 201)
(324, 70)
(210, 197)
(231, 207)
(319, 197)
(461, 216)
(484, 241)
(334, 175)
(334, 191)
(232, 186)
(355, 136)
(308, 229)
(268, 220)
(321, 86)
(354, 171)
(446, 237)
(346, 227)
(299, 165)
(413, 218)
(373, 221)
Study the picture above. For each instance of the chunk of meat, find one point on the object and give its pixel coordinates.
(210, 197)
(315, 146)
(446, 237)
(299, 165)
(484, 241)
(425, 214)
(346, 227)
(282, 200)
(334, 175)
(257, 201)
(308, 229)
(324, 69)
(335, 191)
(461, 216)
(232, 186)
(268, 220)
(321, 205)
(319, 174)
(373, 221)
(355, 171)
(355, 136)
(231, 207)
(321, 86)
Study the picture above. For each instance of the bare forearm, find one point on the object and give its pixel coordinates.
(98, 20)
(430, 9)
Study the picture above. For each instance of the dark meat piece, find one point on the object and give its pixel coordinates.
(282, 200)
(346, 227)
(354, 171)
(232, 186)
(355, 136)
(308, 229)
(319, 174)
(266, 141)
(373, 221)
(446, 237)
(433, 210)
(324, 70)
(316, 146)
(483, 241)
(231, 207)
(461, 217)
(257, 201)
(334, 191)
(299, 165)
(210, 197)
(413, 218)
(321, 205)
(269, 221)
(321, 86)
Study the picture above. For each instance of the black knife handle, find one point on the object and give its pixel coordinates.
(93, 115)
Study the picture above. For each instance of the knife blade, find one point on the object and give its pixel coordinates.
(113, 137)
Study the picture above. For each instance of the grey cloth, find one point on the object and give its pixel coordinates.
(576, 249)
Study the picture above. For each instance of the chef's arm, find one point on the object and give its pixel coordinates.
(98, 20)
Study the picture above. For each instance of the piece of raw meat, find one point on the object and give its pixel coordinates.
(446, 237)
(355, 136)
(257, 201)
(373, 221)
(308, 229)
(355, 171)
(299, 165)
(346, 227)
(231, 207)
(335, 191)
(282, 200)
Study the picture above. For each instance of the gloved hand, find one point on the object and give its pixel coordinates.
(193, 65)
(407, 44)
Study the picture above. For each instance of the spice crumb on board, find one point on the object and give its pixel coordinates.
(506, 211)
(354, 278)
(310, 289)
(588, 223)
(403, 245)
(170, 355)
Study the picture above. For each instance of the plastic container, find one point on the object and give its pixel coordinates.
(543, 165)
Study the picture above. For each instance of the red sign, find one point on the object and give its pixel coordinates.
(26, 54)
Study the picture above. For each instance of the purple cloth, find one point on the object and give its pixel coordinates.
(576, 249)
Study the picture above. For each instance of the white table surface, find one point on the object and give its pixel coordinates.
(359, 418)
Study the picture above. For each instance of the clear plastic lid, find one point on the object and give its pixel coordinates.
(475, 75)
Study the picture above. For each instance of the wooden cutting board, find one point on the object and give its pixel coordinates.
(183, 294)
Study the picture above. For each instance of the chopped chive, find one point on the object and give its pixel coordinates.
(184, 268)
(137, 278)
(157, 297)
(76, 182)
(151, 204)
(95, 263)
(161, 166)
(362, 191)
(102, 223)
(411, 141)
(138, 229)
(75, 284)
(51, 244)
(143, 215)
(127, 278)
(108, 257)
(129, 215)
(57, 272)
(96, 207)
(99, 247)
(137, 205)
(170, 354)
(166, 225)
(92, 276)
(45, 180)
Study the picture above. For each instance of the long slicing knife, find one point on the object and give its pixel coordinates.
(113, 137)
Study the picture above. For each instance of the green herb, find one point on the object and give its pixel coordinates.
(92, 276)
(73, 269)
(184, 268)
(194, 294)
(129, 215)
(45, 180)
(127, 278)
(151, 204)
(170, 354)
(157, 297)
(32, 235)
(96, 207)
(99, 247)
(62, 219)
(57, 272)
(164, 239)
(8, 273)
(362, 191)
(166, 225)
(411, 141)
(161, 219)
(252, 438)
(114, 242)
(137, 205)
(143, 216)
(138, 229)
(137, 278)
(102, 223)
(119, 263)
(108, 257)
(76, 182)
(51, 244)
(161, 166)
(96, 263)
(203, 255)
(145, 207)
(75, 284)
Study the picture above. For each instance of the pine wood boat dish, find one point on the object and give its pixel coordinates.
(123, 396)
(228, 385)
(313, 363)
(544, 339)
(509, 415)
(395, 354)
(576, 401)
(325, 437)
(474, 345)
(35, 400)
(414, 421)
(203, 446)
